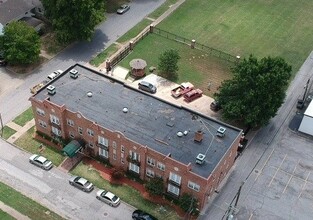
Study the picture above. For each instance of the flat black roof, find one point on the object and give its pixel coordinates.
(149, 121)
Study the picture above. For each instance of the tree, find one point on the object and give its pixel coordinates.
(188, 203)
(21, 43)
(74, 20)
(155, 186)
(168, 64)
(256, 91)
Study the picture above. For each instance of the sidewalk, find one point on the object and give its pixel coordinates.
(19, 130)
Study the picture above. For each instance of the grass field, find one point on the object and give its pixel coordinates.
(240, 27)
(24, 205)
(25, 117)
(195, 66)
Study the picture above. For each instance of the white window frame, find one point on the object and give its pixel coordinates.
(173, 189)
(103, 152)
(70, 122)
(122, 148)
(54, 119)
(71, 133)
(160, 166)
(56, 131)
(114, 144)
(151, 161)
(175, 178)
(134, 156)
(114, 156)
(150, 173)
(134, 168)
(40, 111)
(193, 186)
(90, 132)
(42, 123)
(90, 144)
(103, 141)
(80, 130)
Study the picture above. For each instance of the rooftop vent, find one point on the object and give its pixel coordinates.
(198, 136)
(180, 134)
(200, 159)
(221, 132)
(125, 110)
(74, 74)
(51, 90)
(89, 94)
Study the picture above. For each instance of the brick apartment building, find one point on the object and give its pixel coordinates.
(137, 132)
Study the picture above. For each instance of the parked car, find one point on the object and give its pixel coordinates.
(181, 89)
(141, 215)
(108, 197)
(192, 95)
(122, 9)
(300, 104)
(54, 74)
(41, 162)
(81, 183)
(146, 86)
(215, 106)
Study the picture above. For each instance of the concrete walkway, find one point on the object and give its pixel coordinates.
(19, 129)
(13, 212)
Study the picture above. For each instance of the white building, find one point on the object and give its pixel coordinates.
(306, 125)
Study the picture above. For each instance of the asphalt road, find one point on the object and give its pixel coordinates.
(51, 188)
(15, 101)
(276, 167)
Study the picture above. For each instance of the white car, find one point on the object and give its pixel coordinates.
(54, 74)
(81, 183)
(108, 197)
(41, 162)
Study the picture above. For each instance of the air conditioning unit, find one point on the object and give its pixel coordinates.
(200, 159)
(74, 73)
(221, 132)
(51, 90)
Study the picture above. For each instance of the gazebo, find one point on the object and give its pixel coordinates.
(138, 67)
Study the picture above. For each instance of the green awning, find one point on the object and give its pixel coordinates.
(72, 148)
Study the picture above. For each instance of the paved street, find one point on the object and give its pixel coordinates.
(276, 167)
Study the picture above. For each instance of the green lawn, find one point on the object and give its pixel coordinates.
(28, 143)
(24, 205)
(25, 117)
(126, 193)
(241, 27)
(5, 216)
(7, 132)
(195, 66)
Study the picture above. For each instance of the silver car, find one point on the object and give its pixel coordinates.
(108, 197)
(81, 183)
(41, 162)
(122, 9)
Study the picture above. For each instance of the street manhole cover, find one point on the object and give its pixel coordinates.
(256, 171)
(105, 214)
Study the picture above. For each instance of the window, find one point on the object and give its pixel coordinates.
(103, 153)
(134, 167)
(56, 131)
(103, 141)
(161, 166)
(80, 130)
(122, 155)
(114, 156)
(54, 119)
(193, 186)
(70, 122)
(149, 173)
(122, 148)
(90, 144)
(122, 160)
(175, 178)
(114, 144)
(150, 161)
(90, 132)
(173, 189)
(42, 123)
(134, 155)
(72, 134)
(114, 151)
(40, 112)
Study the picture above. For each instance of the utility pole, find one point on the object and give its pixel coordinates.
(231, 209)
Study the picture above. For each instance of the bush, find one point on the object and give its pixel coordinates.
(155, 186)
(188, 203)
(117, 173)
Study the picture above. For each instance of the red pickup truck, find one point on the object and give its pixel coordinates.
(181, 89)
